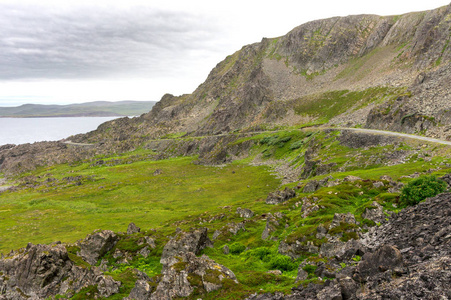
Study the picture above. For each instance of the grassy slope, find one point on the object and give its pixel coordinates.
(120, 194)
(186, 195)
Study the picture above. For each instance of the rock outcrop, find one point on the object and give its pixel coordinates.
(42, 271)
(95, 245)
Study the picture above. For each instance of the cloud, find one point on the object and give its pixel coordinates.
(94, 42)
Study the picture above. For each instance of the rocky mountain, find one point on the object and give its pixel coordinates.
(377, 72)
(337, 226)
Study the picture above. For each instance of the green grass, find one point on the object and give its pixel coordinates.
(121, 194)
(327, 105)
(187, 195)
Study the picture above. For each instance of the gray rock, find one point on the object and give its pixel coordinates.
(311, 186)
(338, 219)
(330, 292)
(245, 213)
(234, 228)
(378, 184)
(321, 231)
(141, 291)
(348, 288)
(97, 244)
(271, 226)
(375, 214)
(132, 228)
(202, 272)
(144, 251)
(384, 259)
(351, 178)
(302, 275)
(184, 242)
(44, 271)
(107, 286)
(280, 196)
(225, 249)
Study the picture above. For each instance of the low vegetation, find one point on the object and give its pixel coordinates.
(67, 202)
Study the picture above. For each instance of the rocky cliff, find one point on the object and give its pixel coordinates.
(403, 60)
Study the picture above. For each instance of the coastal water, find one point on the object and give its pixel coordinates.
(30, 130)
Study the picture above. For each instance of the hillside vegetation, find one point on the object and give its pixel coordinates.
(252, 187)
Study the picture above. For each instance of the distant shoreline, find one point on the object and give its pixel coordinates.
(89, 109)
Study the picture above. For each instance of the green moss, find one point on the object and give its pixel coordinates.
(89, 292)
(78, 261)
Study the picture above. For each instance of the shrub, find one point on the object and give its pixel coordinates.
(237, 248)
(296, 145)
(260, 252)
(282, 262)
(420, 189)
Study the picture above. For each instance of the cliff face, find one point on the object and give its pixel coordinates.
(270, 82)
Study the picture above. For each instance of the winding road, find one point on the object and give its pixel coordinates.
(392, 133)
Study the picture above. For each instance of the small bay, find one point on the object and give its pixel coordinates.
(30, 130)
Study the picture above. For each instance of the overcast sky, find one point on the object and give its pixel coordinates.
(65, 51)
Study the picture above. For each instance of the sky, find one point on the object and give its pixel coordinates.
(64, 51)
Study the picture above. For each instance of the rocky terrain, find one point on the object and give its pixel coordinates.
(336, 228)
(408, 256)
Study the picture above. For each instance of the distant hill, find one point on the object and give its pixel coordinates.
(88, 109)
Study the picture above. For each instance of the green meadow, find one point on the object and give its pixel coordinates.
(110, 197)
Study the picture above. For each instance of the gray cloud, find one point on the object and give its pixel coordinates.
(87, 42)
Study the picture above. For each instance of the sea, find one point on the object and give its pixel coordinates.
(30, 130)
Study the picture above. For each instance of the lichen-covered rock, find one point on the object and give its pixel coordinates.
(310, 186)
(339, 219)
(278, 197)
(97, 244)
(375, 213)
(185, 242)
(132, 228)
(43, 271)
(245, 213)
(191, 273)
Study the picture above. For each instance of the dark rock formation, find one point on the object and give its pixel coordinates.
(278, 197)
(42, 271)
(184, 242)
(95, 245)
(191, 273)
(132, 228)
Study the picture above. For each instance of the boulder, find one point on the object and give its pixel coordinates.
(132, 228)
(278, 197)
(387, 258)
(339, 219)
(191, 273)
(311, 186)
(245, 213)
(375, 214)
(144, 287)
(97, 244)
(351, 178)
(44, 271)
(302, 275)
(331, 291)
(184, 242)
